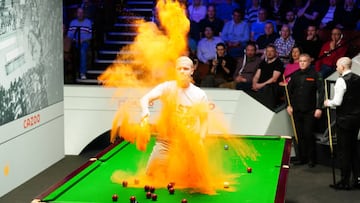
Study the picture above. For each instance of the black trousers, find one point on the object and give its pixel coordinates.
(347, 146)
(304, 124)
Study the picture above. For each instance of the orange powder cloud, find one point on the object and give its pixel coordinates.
(155, 49)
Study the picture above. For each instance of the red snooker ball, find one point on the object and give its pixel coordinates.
(184, 201)
(154, 197)
(169, 186)
(148, 195)
(146, 188)
(172, 191)
(249, 169)
(115, 197)
(152, 189)
(132, 199)
(124, 183)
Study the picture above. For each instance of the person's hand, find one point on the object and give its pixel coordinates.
(214, 62)
(254, 87)
(317, 113)
(289, 109)
(326, 103)
(332, 44)
(223, 63)
(144, 121)
(283, 83)
(240, 79)
(300, 12)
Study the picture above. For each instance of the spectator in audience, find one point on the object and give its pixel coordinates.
(246, 68)
(293, 64)
(251, 13)
(347, 16)
(235, 34)
(347, 102)
(197, 11)
(284, 44)
(225, 8)
(327, 20)
(306, 94)
(311, 44)
(221, 69)
(330, 52)
(290, 19)
(211, 20)
(306, 15)
(89, 9)
(275, 8)
(257, 27)
(206, 49)
(267, 38)
(80, 31)
(267, 77)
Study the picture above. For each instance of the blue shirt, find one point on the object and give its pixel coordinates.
(235, 32)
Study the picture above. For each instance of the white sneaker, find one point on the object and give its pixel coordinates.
(82, 77)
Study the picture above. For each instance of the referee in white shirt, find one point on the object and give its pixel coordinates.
(347, 101)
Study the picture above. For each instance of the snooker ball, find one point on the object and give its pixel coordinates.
(169, 186)
(152, 189)
(146, 188)
(226, 184)
(226, 147)
(132, 199)
(124, 183)
(154, 197)
(184, 201)
(115, 197)
(249, 169)
(171, 191)
(148, 195)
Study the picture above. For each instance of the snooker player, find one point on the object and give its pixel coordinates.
(181, 127)
(347, 102)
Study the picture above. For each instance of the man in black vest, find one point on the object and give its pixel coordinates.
(347, 102)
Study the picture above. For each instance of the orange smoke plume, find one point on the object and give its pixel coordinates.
(155, 49)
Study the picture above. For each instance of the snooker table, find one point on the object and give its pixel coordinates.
(91, 182)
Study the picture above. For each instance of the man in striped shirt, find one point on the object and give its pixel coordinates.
(80, 31)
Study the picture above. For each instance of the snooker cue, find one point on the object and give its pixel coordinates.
(330, 135)
(291, 116)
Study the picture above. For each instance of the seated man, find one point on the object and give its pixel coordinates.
(267, 38)
(246, 68)
(221, 69)
(235, 34)
(330, 52)
(211, 20)
(267, 77)
(206, 49)
(284, 44)
(80, 31)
